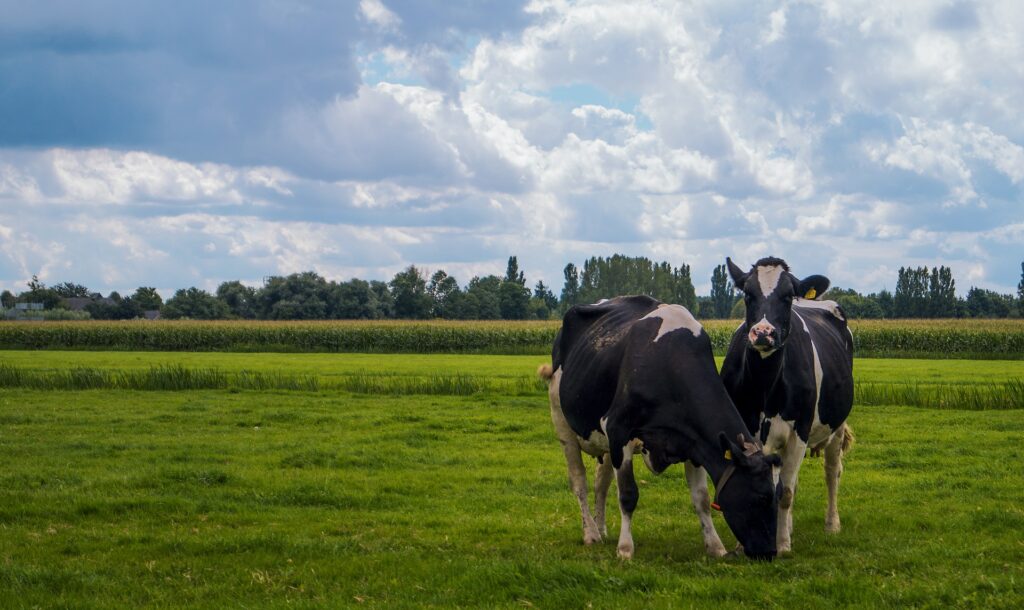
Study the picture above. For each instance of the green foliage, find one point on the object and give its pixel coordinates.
(409, 290)
(123, 309)
(241, 300)
(68, 290)
(571, 288)
(981, 303)
(722, 294)
(7, 299)
(194, 304)
(604, 278)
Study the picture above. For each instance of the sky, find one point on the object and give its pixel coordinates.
(190, 143)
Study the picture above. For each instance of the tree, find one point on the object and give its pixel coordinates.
(299, 296)
(543, 293)
(911, 297)
(7, 299)
(441, 288)
(410, 293)
(721, 292)
(385, 300)
(981, 303)
(483, 294)
(147, 298)
(941, 293)
(196, 304)
(571, 288)
(39, 293)
(68, 290)
(513, 295)
(241, 299)
(125, 309)
(356, 300)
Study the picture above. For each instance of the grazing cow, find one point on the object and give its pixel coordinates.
(632, 375)
(789, 370)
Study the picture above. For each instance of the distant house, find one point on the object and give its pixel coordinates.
(26, 311)
(152, 314)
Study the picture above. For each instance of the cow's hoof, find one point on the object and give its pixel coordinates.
(832, 526)
(625, 552)
(591, 537)
(784, 549)
(716, 552)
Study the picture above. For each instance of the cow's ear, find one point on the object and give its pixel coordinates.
(729, 449)
(738, 277)
(813, 286)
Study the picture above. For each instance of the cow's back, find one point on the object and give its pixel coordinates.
(833, 344)
(589, 350)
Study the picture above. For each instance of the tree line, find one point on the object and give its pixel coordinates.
(920, 292)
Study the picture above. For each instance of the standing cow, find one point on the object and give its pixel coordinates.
(632, 375)
(789, 370)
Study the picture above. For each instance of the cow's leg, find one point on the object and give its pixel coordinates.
(697, 479)
(792, 457)
(602, 480)
(574, 460)
(833, 470)
(629, 493)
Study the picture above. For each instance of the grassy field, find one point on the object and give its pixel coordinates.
(993, 339)
(120, 498)
(959, 384)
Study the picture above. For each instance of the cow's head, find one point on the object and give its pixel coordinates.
(768, 292)
(748, 498)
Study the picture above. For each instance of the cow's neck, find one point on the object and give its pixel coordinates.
(764, 371)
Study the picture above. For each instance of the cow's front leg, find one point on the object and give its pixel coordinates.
(602, 480)
(792, 457)
(697, 480)
(629, 494)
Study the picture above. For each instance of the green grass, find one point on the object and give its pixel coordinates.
(951, 384)
(271, 499)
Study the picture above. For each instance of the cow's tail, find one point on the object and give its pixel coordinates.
(545, 372)
(848, 439)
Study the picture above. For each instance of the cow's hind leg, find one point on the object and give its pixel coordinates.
(792, 457)
(574, 460)
(629, 494)
(697, 479)
(833, 470)
(602, 480)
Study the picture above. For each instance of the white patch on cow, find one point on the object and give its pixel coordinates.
(830, 306)
(674, 317)
(601, 302)
(819, 431)
(768, 277)
(596, 444)
(779, 431)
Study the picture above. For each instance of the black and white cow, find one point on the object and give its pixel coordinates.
(632, 375)
(789, 370)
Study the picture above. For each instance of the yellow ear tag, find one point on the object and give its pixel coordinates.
(811, 294)
(728, 454)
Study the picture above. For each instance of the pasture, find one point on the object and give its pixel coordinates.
(395, 496)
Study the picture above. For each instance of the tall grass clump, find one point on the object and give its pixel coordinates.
(157, 378)
(969, 397)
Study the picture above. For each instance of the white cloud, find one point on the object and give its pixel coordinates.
(379, 15)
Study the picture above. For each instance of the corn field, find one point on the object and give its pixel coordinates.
(998, 339)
